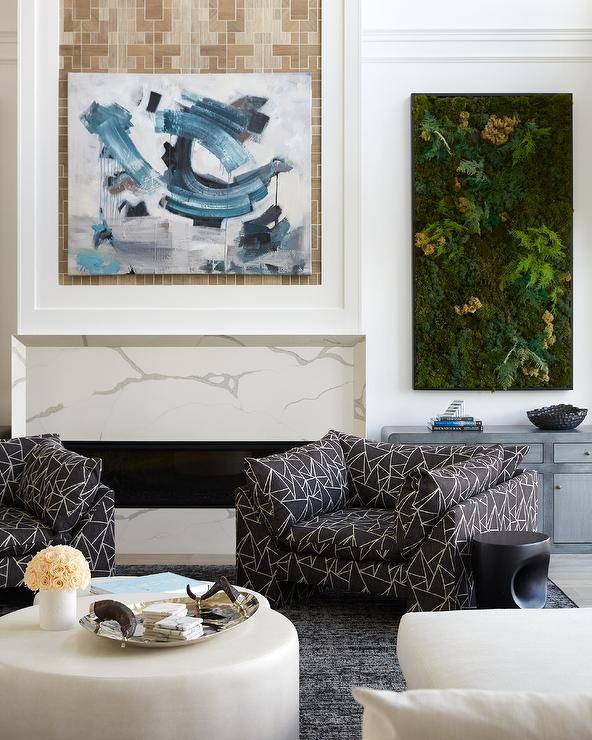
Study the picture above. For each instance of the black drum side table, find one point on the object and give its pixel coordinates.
(510, 569)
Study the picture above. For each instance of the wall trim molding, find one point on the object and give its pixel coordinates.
(403, 35)
(475, 45)
(8, 48)
(475, 60)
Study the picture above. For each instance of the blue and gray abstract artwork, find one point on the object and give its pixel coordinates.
(189, 174)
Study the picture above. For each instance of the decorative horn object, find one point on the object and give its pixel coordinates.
(108, 609)
(222, 584)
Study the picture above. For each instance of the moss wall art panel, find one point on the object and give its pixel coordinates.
(492, 233)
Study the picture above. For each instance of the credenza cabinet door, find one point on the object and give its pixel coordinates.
(572, 508)
(534, 455)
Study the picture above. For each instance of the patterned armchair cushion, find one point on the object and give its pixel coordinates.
(20, 533)
(299, 484)
(377, 470)
(59, 486)
(93, 536)
(13, 453)
(354, 534)
(428, 494)
(513, 456)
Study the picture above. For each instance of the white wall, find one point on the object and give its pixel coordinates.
(8, 140)
(421, 47)
(387, 81)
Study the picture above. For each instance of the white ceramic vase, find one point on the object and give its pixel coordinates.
(57, 609)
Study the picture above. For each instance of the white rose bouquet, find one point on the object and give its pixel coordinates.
(57, 568)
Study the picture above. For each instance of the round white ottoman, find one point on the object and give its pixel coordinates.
(73, 685)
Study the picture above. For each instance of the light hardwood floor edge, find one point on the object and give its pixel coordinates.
(573, 575)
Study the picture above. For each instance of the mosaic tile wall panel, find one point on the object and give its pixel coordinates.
(191, 37)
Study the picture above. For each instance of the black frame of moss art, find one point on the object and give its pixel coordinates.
(531, 259)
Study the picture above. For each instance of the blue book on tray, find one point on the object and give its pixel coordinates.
(157, 583)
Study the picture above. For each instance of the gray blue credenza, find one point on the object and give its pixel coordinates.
(563, 461)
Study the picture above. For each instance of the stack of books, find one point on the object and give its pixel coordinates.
(178, 628)
(454, 420)
(166, 621)
(462, 424)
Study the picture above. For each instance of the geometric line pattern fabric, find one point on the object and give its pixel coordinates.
(58, 486)
(299, 484)
(377, 470)
(379, 579)
(13, 454)
(364, 535)
(427, 494)
(282, 575)
(93, 536)
(12, 570)
(513, 457)
(439, 574)
(20, 533)
(436, 576)
(258, 553)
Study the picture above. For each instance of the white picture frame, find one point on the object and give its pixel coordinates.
(46, 307)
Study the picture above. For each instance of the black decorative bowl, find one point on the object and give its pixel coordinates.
(562, 416)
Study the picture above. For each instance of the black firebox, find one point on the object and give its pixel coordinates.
(175, 474)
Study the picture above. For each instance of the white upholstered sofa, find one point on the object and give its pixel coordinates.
(490, 674)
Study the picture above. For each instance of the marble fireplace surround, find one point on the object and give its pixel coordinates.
(186, 388)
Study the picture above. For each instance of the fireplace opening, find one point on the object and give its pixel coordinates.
(175, 474)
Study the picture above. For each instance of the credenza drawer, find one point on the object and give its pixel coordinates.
(534, 455)
(567, 453)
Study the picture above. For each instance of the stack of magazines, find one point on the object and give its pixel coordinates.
(156, 583)
(454, 420)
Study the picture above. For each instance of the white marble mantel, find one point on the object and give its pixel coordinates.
(188, 388)
(198, 388)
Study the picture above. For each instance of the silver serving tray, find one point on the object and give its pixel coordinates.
(219, 614)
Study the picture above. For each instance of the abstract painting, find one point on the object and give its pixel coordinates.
(189, 174)
(492, 241)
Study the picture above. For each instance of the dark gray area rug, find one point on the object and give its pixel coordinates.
(345, 640)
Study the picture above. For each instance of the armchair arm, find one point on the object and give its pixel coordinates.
(94, 535)
(256, 547)
(439, 573)
(261, 565)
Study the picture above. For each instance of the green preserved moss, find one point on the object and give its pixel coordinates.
(492, 241)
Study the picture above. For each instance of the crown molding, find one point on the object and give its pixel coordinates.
(481, 46)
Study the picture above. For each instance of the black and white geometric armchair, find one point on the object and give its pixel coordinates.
(52, 496)
(391, 520)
